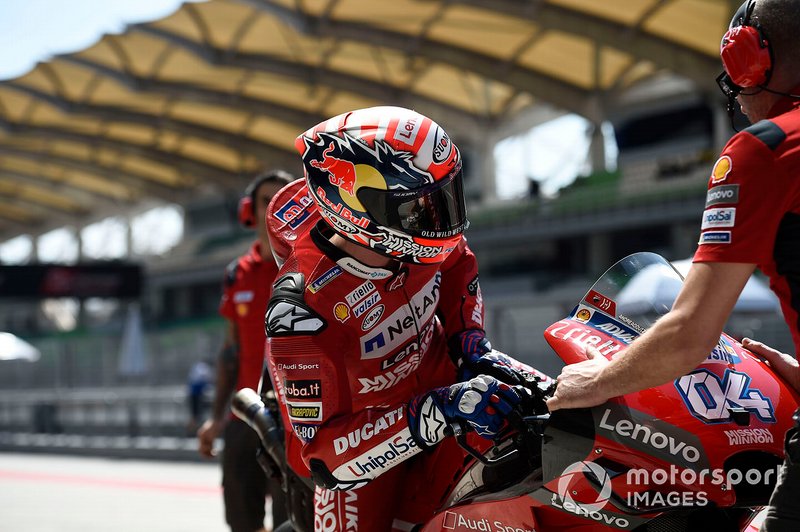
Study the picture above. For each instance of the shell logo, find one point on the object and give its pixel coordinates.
(341, 312)
(721, 169)
(241, 309)
(583, 315)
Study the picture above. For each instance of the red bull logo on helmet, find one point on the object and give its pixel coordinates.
(341, 173)
(351, 163)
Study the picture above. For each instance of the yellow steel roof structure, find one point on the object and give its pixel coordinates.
(204, 97)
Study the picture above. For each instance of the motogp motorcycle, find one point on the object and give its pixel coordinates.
(696, 454)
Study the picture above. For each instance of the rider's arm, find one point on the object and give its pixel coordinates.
(675, 345)
(746, 201)
(461, 306)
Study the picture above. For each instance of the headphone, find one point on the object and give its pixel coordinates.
(247, 204)
(247, 208)
(745, 50)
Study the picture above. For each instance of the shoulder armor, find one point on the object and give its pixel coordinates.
(230, 272)
(767, 132)
(287, 312)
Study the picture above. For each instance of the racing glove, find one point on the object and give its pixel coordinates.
(482, 402)
(474, 356)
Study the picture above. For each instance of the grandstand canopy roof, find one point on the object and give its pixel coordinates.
(199, 100)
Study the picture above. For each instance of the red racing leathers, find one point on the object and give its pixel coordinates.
(350, 346)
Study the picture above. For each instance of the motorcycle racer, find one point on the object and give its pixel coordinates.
(362, 314)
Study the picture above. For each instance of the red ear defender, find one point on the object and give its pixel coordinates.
(246, 216)
(746, 56)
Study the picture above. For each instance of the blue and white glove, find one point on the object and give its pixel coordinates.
(483, 402)
(476, 357)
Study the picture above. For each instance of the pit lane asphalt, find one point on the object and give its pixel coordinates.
(47, 493)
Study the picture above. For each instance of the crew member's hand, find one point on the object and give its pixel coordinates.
(577, 384)
(483, 402)
(785, 365)
(206, 434)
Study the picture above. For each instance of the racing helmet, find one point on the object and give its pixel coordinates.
(388, 179)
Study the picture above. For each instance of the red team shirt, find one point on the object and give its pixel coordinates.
(752, 210)
(246, 291)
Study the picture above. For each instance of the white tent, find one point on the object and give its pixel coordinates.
(655, 288)
(14, 348)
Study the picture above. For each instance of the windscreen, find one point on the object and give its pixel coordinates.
(640, 288)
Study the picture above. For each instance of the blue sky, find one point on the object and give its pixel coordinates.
(33, 30)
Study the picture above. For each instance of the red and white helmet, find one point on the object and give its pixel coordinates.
(389, 179)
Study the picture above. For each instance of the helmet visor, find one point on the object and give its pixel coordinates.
(437, 211)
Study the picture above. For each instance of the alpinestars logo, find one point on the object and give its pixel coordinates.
(340, 155)
(431, 421)
(288, 319)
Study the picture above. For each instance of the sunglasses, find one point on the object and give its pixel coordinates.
(727, 86)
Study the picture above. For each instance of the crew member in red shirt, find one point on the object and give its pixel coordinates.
(376, 323)
(246, 290)
(751, 219)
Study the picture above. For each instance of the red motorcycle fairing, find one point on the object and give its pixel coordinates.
(731, 413)
(516, 516)
(598, 465)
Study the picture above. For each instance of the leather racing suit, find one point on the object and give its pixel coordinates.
(350, 346)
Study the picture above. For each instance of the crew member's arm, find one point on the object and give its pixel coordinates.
(675, 345)
(227, 368)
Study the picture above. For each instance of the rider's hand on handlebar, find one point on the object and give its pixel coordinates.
(482, 402)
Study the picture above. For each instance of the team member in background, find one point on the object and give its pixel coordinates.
(755, 185)
(361, 317)
(247, 288)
